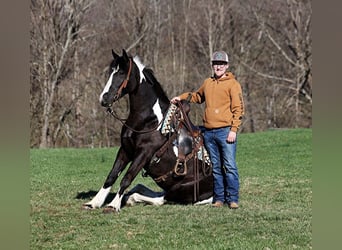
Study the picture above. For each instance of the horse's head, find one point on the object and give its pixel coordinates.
(122, 79)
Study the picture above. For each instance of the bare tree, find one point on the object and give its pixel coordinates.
(283, 61)
(54, 30)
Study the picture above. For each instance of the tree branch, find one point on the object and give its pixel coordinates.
(267, 75)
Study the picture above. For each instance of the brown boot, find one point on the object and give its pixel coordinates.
(218, 204)
(233, 205)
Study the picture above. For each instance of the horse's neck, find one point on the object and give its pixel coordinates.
(144, 102)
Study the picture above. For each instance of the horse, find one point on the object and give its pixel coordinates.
(155, 139)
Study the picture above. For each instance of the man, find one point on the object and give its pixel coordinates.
(224, 109)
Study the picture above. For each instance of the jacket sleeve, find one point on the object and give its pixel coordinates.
(196, 97)
(237, 106)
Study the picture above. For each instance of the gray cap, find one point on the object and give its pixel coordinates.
(220, 56)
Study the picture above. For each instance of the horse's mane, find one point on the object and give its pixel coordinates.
(147, 74)
(151, 79)
(140, 66)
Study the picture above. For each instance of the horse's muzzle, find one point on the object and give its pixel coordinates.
(105, 104)
(106, 100)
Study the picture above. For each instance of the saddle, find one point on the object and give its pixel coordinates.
(183, 134)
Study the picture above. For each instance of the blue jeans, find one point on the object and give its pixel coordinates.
(222, 155)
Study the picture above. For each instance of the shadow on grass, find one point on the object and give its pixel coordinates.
(91, 193)
(140, 189)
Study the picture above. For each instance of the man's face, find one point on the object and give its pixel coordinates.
(220, 68)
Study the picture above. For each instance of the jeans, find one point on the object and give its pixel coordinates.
(222, 155)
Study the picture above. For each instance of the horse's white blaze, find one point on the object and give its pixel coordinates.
(157, 111)
(108, 84)
(140, 67)
(99, 198)
(116, 202)
(138, 198)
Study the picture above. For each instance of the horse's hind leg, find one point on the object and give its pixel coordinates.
(120, 163)
(206, 201)
(142, 194)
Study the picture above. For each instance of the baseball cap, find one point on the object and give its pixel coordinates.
(220, 56)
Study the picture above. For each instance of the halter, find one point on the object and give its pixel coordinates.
(124, 83)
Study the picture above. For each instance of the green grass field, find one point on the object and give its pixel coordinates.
(275, 211)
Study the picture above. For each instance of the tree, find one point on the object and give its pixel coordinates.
(54, 34)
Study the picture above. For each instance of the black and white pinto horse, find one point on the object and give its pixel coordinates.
(174, 164)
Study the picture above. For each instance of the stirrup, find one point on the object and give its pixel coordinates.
(185, 168)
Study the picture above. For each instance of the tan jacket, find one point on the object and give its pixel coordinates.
(223, 102)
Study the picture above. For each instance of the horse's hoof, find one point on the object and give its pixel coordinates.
(87, 207)
(108, 210)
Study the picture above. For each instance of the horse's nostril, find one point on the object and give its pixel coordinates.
(104, 100)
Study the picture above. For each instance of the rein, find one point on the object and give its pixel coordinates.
(111, 111)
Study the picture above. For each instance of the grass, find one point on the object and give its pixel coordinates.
(275, 211)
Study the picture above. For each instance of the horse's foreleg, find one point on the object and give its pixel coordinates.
(131, 173)
(98, 200)
(120, 163)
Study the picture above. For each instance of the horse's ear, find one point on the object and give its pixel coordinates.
(114, 54)
(124, 55)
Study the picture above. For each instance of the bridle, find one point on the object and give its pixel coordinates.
(124, 83)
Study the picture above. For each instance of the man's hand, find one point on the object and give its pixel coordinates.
(175, 99)
(231, 137)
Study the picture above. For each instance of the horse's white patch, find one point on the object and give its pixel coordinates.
(99, 198)
(141, 67)
(157, 111)
(175, 150)
(108, 84)
(203, 202)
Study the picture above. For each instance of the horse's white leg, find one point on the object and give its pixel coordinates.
(138, 198)
(99, 199)
(203, 202)
(142, 194)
